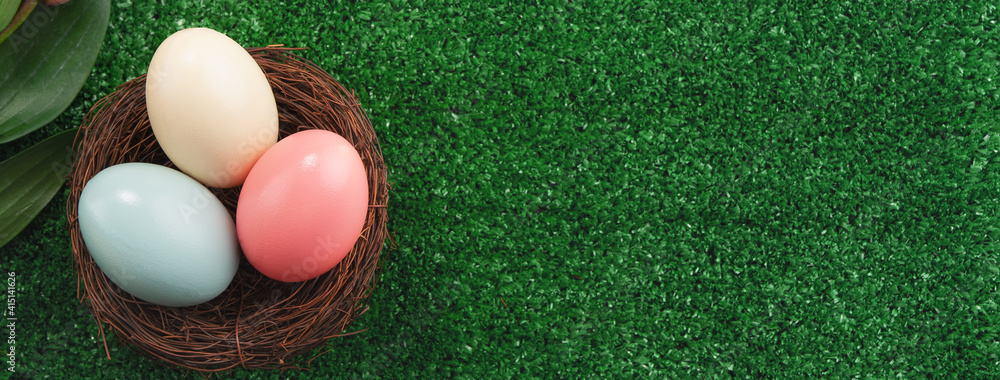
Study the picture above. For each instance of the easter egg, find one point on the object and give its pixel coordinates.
(303, 206)
(210, 106)
(158, 234)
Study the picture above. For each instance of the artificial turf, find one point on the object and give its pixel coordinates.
(625, 189)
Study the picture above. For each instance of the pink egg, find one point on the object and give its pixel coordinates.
(303, 206)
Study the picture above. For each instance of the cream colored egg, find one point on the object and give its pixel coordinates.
(210, 106)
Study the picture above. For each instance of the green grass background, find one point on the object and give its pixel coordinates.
(623, 189)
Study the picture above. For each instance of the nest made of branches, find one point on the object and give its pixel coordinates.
(256, 322)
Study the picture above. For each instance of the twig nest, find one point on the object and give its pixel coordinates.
(257, 322)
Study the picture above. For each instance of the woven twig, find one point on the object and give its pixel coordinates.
(257, 322)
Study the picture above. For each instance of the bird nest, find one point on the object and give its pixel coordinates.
(256, 322)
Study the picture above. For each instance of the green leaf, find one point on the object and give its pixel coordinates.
(12, 14)
(29, 180)
(45, 63)
(7, 10)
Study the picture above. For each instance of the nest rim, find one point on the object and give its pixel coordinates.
(257, 322)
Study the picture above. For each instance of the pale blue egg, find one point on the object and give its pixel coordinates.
(158, 234)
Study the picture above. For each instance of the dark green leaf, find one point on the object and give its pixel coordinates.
(29, 180)
(45, 62)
